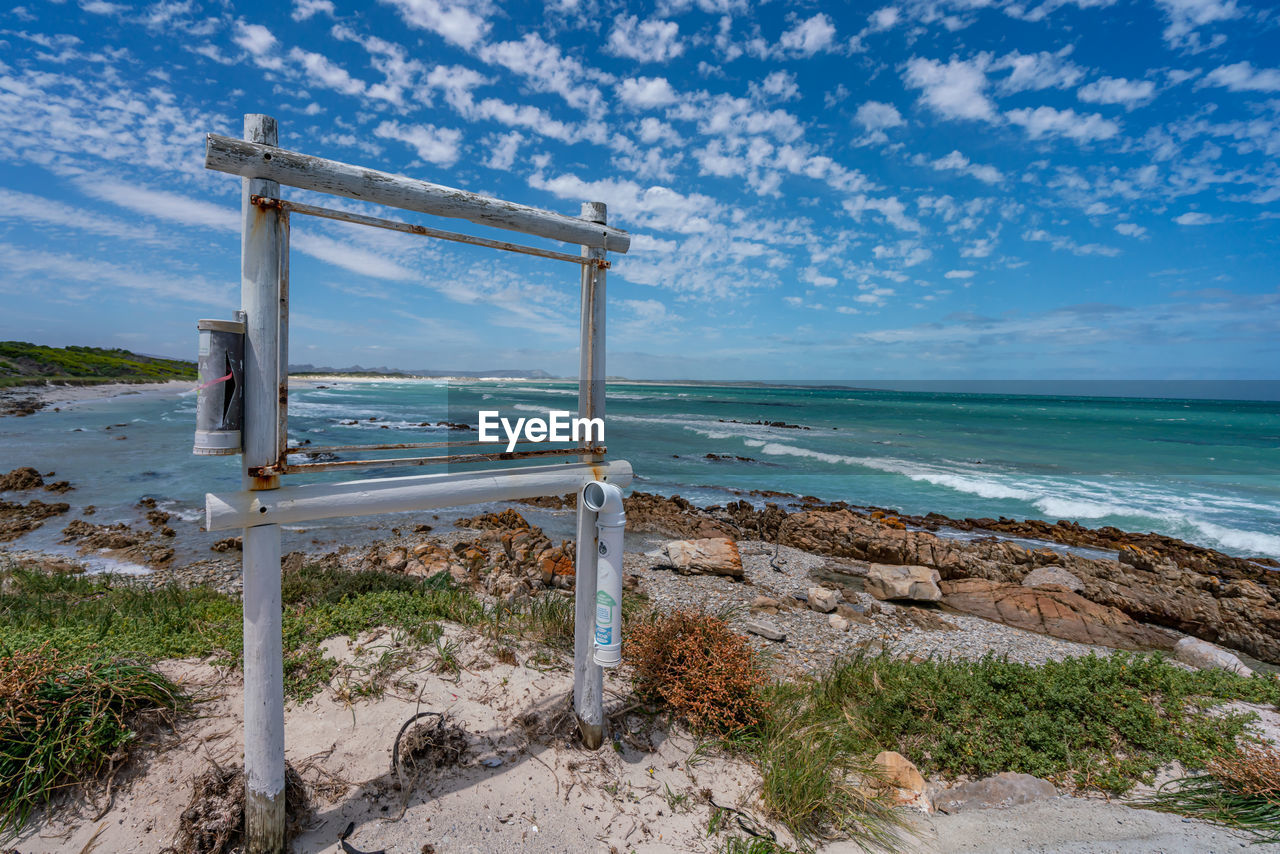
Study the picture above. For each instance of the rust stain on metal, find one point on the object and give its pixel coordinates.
(263, 477)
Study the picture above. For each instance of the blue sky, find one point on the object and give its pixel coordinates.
(1058, 188)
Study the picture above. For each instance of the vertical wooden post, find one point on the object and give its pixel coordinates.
(588, 677)
(261, 270)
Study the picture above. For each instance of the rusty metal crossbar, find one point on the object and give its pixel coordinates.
(284, 206)
(444, 459)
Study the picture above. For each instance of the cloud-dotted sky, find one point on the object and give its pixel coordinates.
(931, 188)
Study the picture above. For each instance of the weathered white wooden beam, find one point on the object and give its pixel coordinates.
(293, 504)
(588, 678)
(250, 160)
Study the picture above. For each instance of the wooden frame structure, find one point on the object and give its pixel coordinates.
(263, 504)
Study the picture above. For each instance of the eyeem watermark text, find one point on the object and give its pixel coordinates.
(560, 425)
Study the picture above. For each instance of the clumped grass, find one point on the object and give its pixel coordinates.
(1094, 722)
(62, 723)
(1241, 791)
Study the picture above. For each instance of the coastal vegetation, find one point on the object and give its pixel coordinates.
(22, 363)
(1101, 723)
(76, 647)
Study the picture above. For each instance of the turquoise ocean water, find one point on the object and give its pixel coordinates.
(1202, 470)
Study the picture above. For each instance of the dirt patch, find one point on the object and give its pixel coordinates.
(213, 823)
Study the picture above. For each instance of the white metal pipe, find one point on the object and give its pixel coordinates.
(238, 157)
(293, 504)
(605, 500)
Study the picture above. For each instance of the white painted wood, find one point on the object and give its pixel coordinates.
(294, 504)
(263, 692)
(249, 160)
(261, 268)
(588, 678)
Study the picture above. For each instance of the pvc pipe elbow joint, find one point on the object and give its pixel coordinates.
(605, 500)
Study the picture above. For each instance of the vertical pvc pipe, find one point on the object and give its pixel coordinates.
(588, 679)
(260, 293)
(605, 500)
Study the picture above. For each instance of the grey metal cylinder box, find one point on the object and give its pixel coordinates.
(220, 398)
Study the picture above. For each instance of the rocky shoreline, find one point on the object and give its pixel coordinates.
(894, 583)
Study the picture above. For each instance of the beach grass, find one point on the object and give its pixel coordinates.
(64, 723)
(1241, 791)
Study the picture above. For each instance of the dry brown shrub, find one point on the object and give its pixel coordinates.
(699, 667)
(1253, 771)
(213, 823)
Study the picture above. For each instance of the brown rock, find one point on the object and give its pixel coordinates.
(899, 775)
(1052, 611)
(672, 516)
(17, 519)
(20, 479)
(709, 556)
(228, 544)
(916, 583)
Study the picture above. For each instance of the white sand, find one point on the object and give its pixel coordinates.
(544, 795)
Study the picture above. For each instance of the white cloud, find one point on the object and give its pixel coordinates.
(101, 7)
(646, 92)
(546, 67)
(1046, 121)
(959, 274)
(1036, 71)
(1243, 77)
(877, 115)
(435, 145)
(956, 90)
(781, 85)
(1129, 229)
(95, 273)
(260, 44)
(809, 36)
(1186, 16)
(304, 10)
(957, 162)
(1196, 218)
(322, 71)
(28, 210)
(1066, 244)
(1118, 90)
(463, 24)
(885, 18)
(502, 150)
(653, 40)
(654, 207)
(170, 207)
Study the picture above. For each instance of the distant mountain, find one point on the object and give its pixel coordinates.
(422, 372)
(24, 364)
